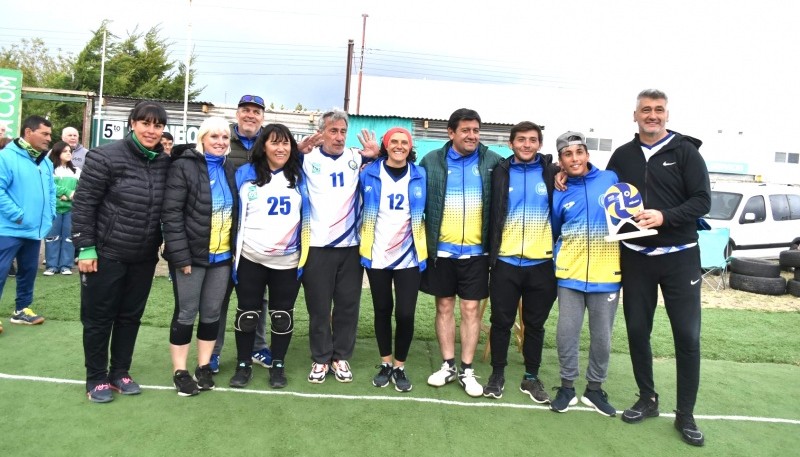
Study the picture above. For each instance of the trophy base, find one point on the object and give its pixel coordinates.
(629, 235)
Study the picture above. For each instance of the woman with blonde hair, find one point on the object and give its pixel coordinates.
(199, 219)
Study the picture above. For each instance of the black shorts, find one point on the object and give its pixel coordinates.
(466, 278)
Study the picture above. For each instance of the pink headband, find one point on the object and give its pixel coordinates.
(394, 130)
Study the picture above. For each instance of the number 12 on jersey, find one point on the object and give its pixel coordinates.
(396, 201)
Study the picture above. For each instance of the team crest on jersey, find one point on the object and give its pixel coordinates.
(541, 189)
(316, 168)
(475, 170)
(417, 192)
(252, 193)
(352, 164)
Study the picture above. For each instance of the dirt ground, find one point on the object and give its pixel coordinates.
(737, 299)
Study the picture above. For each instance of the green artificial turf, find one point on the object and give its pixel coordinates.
(359, 419)
(751, 361)
(735, 335)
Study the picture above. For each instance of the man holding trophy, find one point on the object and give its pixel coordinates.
(673, 181)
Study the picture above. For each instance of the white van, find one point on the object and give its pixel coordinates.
(763, 218)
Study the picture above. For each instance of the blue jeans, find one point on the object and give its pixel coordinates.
(27, 253)
(58, 249)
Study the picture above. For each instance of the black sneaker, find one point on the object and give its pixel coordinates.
(204, 377)
(184, 384)
(535, 389)
(100, 393)
(641, 410)
(277, 377)
(400, 380)
(565, 397)
(494, 388)
(684, 423)
(243, 375)
(125, 385)
(384, 375)
(598, 399)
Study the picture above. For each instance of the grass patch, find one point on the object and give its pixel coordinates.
(747, 336)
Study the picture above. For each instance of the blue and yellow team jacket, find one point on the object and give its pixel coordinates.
(584, 260)
(370, 184)
(462, 218)
(527, 236)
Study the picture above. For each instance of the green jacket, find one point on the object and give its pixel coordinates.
(435, 165)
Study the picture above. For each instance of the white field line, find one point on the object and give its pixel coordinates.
(486, 404)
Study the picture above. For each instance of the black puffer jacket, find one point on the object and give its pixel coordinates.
(186, 214)
(117, 205)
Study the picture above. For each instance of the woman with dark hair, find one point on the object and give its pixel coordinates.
(199, 216)
(59, 254)
(271, 247)
(393, 249)
(116, 224)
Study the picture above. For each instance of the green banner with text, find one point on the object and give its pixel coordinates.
(11, 100)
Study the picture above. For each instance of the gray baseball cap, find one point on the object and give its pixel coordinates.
(563, 140)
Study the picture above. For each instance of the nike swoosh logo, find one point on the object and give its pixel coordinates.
(611, 297)
(666, 164)
(695, 281)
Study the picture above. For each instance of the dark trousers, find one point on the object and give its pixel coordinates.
(332, 276)
(678, 274)
(112, 304)
(536, 285)
(282, 286)
(406, 287)
(26, 252)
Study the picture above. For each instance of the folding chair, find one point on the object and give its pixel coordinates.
(713, 261)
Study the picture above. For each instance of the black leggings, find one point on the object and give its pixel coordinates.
(253, 281)
(406, 287)
(678, 275)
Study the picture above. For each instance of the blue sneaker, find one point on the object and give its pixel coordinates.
(214, 363)
(263, 358)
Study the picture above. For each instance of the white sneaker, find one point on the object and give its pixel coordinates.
(445, 375)
(341, 369)
(469, 382)
(318, 373)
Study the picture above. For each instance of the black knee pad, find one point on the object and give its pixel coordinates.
(207, 331)
(180, 334)
(282, 321)
(246, 321)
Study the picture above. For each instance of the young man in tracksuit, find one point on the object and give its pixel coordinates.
(588, 273)
(521, 257)
(672, 178)
(457, 228)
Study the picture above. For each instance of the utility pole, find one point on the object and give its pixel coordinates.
(348, 76)
(187, 73)
(361, 65)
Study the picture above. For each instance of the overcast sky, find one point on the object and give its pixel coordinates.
(727, 65)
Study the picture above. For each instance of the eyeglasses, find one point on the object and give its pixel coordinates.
(252, 99)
